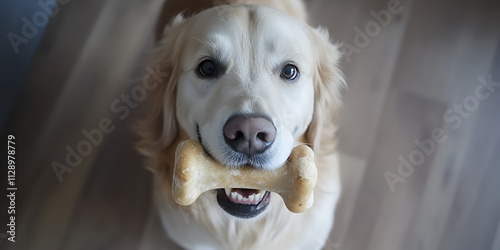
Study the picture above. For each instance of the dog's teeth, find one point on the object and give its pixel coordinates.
(257, 197)
(236, 197)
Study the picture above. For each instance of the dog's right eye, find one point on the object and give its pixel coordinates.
(290, 72)
(207, 68)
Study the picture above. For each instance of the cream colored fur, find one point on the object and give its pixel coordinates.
(252, 39)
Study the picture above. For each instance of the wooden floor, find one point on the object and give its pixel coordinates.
(412, 77)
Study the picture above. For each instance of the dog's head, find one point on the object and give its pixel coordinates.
(249, 83)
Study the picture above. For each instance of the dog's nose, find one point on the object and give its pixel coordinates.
(249, 135)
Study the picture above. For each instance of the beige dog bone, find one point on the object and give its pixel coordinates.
(195, 173)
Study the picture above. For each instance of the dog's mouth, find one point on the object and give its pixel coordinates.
(240, 202)
(243, 203)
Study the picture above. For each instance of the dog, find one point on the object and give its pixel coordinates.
(249, 80)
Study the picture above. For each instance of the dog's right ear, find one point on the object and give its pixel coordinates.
(160, 127)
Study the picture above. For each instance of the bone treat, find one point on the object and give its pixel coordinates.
(195, 173)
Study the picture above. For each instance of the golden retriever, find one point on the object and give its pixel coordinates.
(249, 82)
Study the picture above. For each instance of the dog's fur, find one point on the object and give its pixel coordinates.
(252, 40)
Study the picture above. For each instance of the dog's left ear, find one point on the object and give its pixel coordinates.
(160, 128)
(328, 83)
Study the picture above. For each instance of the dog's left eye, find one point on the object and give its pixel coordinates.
(207, 68)
(290, 72)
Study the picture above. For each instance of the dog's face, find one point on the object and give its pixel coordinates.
(243, 74)
(247, 83)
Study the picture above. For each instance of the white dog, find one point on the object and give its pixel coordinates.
(249, 82)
